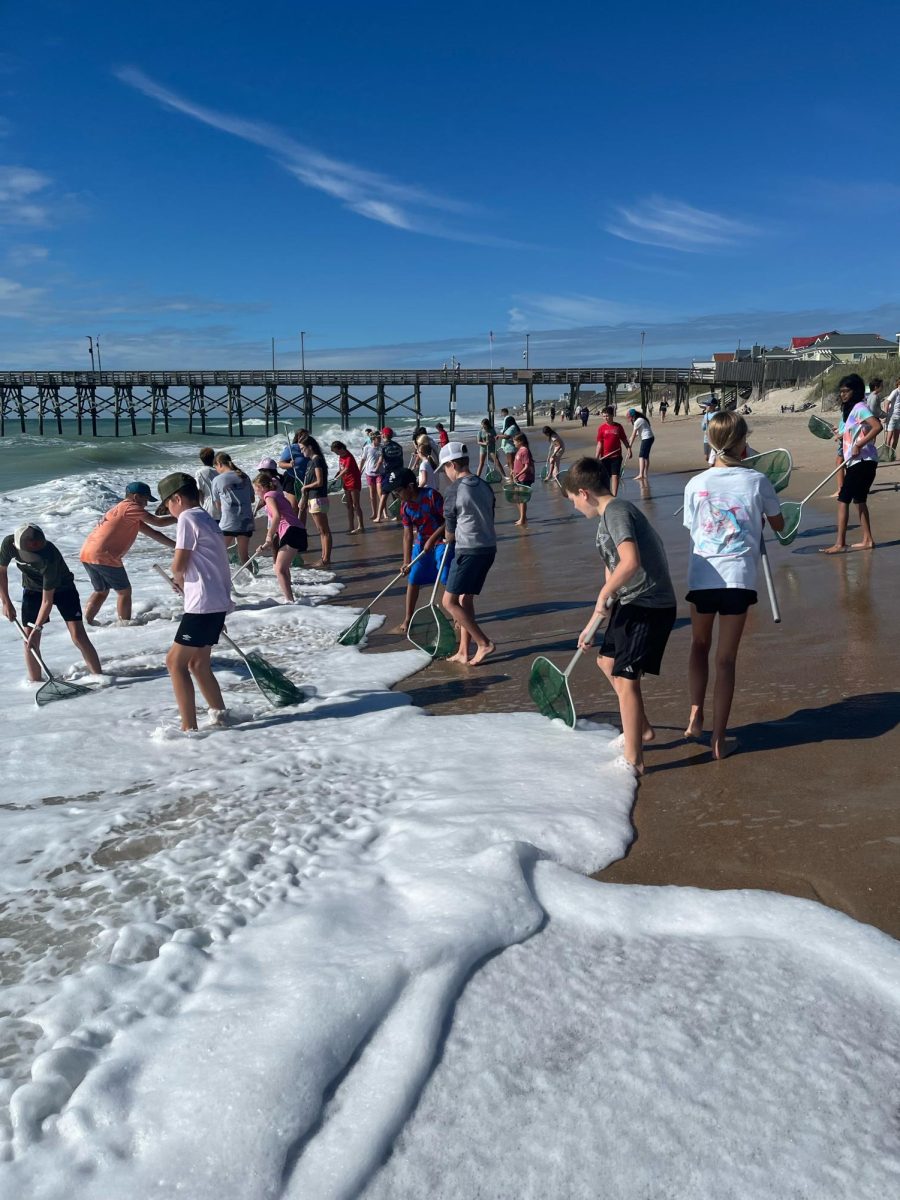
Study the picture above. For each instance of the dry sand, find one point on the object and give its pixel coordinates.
(809, 806)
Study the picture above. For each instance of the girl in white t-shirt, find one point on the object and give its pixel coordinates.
(643, 430)
(725, 509)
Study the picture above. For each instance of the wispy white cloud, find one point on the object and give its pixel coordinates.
(20, 196)
(26, 254)
(367, 193)
(677, 226)
(16, 300)
(546, 310)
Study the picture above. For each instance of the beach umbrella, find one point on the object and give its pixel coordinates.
(277, 688)
(53, 689)
(429, 629)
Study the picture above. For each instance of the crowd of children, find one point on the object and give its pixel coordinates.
(725, 508)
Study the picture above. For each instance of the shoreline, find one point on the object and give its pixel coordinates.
(800, 809)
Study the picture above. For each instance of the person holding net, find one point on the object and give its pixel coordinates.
(725, 508)
(47, 583)
(642, 608)
(858, 429)
(422, 517)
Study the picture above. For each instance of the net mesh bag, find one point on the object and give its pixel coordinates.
(549, 689)
(517, 492)
(58, 689)
(886, 453)
(791, 514)
(776, 467)
(430, 630)
(272, 681)
(492, 475)
(355, 633)
(820, 427)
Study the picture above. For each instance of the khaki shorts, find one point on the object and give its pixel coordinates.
(319, 506)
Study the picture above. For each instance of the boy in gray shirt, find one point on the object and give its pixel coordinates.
(469, 521)
(639, 593)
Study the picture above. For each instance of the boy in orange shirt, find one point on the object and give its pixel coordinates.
(108, 543)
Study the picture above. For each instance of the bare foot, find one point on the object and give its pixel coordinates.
(523, 524)
(401, 628)
(481, 654)
(648, 734)
(834, 550)
(723, 748)
(694, 726)
(321, 565)
(354, 530)
(863, 546)
(832, 495)
(459, 657)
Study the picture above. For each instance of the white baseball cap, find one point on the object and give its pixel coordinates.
(449, 452)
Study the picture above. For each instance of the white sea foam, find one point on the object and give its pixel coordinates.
(235, 965)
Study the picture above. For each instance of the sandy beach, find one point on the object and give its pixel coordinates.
(808, 805)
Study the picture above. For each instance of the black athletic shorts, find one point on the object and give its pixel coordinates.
(65, 601)
(199, 629)
(636, 638)
(646, 447)
(725, 602)
(469, 570)
(244, 531)
(858, 479)
(296, 538)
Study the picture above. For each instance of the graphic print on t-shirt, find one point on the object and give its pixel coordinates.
(721, 526)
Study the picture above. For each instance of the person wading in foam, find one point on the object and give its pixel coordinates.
(108, 543)
(47, 583)
(469, 529)
(200, 568)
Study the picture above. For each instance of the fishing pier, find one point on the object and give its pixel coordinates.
(49, 398)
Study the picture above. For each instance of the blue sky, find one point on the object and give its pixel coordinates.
(189, 180)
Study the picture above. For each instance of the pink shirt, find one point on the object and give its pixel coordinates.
(279, 509)
(207, 579)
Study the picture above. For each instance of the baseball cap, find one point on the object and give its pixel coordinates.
(267, 464)
(401, 478)
(168, 486)
(28, 533)
(139, 489)
(449, 452)
(387, 432)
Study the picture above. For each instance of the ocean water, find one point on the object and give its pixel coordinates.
(325, 954)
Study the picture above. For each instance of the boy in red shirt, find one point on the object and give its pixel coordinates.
(351, 477)
(611, 441)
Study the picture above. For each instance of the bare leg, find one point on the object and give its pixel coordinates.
(698, 668)
(32, 666)
(523, 514)
(95, 602)
(631, 710)
(840, 544)
(412, 595)
(79, 636)
(730, 631)
(356, 501)
(182, 663)
(614, 484)
(481, 462)
(283, 560)
(867, 542)
(201, 669)
(321, 522)
(373, 497)
(461, 609)
(123, 604)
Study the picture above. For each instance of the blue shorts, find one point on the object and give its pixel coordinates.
(425, 570)
(103, 578)
(469, 570)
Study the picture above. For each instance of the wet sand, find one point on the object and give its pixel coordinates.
(809, 805)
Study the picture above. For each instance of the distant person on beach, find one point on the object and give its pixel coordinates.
(371, 468)
(314, 493)
(711, 409)
(108, 543)
(351, 481)
(422, 517)
(443, 435)
(487, 448)
(552, 412)
(555, 452)
(663, 409)
(641, 430)
(725, 508)
(200, 569)
(585, 415)
(469, 529)
(892, 416)
(508, 431)
(638, 585)
(233, 492)
(522, 472)
(425, 468)
(391, 460)
(286, 535)
(47, 583)
(858, 429)
(206, 476)
(612, 440)
(293, 463)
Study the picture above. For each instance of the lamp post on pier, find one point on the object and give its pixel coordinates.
(303, 353)
(90, 342)
(525, 351)
(99, 363)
